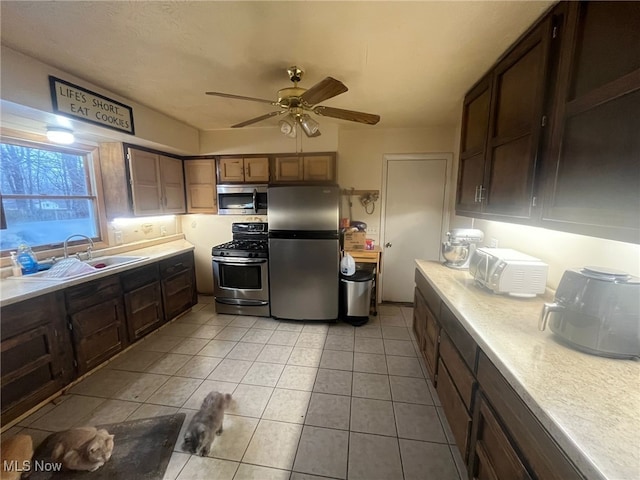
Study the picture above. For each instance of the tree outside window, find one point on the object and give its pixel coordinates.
(47, 194)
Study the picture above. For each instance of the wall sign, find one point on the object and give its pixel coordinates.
(77, 102)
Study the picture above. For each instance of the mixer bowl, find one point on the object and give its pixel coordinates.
(455, 254)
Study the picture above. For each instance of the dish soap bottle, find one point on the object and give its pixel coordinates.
(27, 259)
(15, 265)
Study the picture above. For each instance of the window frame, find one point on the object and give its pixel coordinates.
(91, 154)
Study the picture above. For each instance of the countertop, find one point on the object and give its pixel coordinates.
(15, 290)
(590, 405)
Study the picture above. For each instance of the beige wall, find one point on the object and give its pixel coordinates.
(360, 161)
(26, 95)
(266, 140)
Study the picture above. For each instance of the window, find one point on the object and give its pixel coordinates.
(47, 193)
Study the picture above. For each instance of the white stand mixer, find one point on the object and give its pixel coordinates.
(460, 245)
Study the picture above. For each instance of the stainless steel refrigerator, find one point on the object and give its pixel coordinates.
(304, 252)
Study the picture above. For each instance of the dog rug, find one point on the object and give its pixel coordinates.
(142, 450)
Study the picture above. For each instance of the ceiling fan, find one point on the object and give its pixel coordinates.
(296, 102)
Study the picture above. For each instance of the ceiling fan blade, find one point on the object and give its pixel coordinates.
(240, 97)
(258, 119)
(351, 115)
(323, 90)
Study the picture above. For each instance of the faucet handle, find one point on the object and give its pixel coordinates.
(90, 252)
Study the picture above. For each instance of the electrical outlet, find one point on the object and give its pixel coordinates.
(372, 230)
(493, 243)
(118, 237)
(163, 230)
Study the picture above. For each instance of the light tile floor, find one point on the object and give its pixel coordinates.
(311, 400)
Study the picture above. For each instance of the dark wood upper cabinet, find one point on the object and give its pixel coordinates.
(593, 169)
(501, 127)
(561, 145)
(515, 125)
(475, 124)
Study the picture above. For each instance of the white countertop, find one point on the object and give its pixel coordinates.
(15, 290)
(590, 405)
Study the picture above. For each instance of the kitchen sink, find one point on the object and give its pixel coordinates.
(71, 268)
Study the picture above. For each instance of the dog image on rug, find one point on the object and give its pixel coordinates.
(206, 423)
(82, 448)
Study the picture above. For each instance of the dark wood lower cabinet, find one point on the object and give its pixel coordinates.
(49, 340)
(37, 357)
(178, 285)
(97, 321)
(536, 449)
(493, 457)
(142, 301)
(454, 409)
(499, 438)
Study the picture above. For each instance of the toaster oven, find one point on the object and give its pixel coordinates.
(503, 270)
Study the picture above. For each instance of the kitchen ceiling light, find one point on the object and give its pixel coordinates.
(63, 136)
(309, 125)
(288, 126)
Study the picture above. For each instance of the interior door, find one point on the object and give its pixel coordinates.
(414, 206)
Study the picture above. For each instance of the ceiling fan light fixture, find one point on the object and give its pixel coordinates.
(62, 136)
(309, 125)
(288, 126)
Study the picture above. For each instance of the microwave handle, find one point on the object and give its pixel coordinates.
(544, 315)
(255, 200)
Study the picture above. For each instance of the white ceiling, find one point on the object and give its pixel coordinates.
(409, 62)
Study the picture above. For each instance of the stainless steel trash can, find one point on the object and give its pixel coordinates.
(355, 296)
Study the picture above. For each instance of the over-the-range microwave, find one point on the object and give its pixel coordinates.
(242, 199)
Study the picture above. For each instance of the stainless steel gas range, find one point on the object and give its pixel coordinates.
(241, 271)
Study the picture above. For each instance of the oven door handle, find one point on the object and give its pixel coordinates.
(255, 201)
(238, 260)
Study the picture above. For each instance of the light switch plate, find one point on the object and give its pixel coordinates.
(118, 237)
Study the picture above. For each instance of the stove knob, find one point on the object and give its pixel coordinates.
(251, 255)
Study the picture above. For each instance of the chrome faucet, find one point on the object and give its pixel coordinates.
(89, 248)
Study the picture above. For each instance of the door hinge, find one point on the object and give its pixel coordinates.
(438, 339)
(75, 363)
(70, 325)
(543, 122)
(554, 32)
(128, 156)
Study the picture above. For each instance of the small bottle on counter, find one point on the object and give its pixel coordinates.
(27, 259)
(15, 265)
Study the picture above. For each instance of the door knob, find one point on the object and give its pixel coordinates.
(387, 245)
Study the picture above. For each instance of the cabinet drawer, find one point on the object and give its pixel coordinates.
(432, 330)
(429, 294)
(460, 374)
(22, 316)
(134, 279)
(89, 294)
(459, 337)
(454, 409)
(173, 265)
(493, 456)
(538, 450)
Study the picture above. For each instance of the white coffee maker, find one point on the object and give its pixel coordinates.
(460, 245)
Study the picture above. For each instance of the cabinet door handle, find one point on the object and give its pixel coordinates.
(475, 197)
(481, 191)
